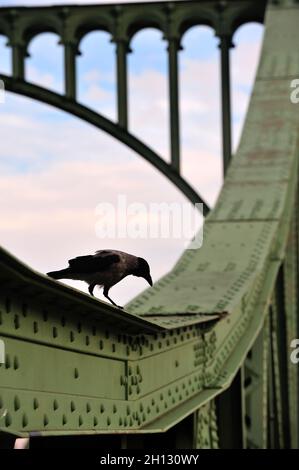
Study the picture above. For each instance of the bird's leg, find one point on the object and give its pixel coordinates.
(105, 292)
(90, 288)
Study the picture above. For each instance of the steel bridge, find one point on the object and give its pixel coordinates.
(170, 371)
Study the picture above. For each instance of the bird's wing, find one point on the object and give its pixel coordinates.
(91, 264)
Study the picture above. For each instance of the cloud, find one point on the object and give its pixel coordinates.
(55, 169)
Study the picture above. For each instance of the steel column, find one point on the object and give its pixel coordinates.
(18, 61)
(122, 82)
(231, 415)
(256, 383)
(173, 48)
(225, 45)
(70, 52)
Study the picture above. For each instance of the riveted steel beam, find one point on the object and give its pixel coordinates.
(166, 357)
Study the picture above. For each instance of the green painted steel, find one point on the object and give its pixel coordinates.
(172, 361)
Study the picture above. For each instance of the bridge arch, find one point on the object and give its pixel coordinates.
(99, 121)
(32, 28)
(88, 23)
(137, 21)
(4, 28)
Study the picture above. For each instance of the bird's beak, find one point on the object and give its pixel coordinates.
(149, 280)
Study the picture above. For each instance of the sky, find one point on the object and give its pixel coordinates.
(56, 169)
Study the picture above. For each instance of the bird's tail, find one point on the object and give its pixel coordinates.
(62, 274)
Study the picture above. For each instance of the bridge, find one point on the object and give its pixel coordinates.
(172, 370)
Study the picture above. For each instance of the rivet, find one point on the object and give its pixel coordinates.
(16, 322)
(17, 404)
(8, 420)
(24, 420)
(7, 361)
(16, 363)
(35, 327)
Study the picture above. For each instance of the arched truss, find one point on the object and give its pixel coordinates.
(99, 121)
(71, 24)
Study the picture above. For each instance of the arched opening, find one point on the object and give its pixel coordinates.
(44, 67)
(244, 61)
(5, 56)
(96, 79)
(53, 178)
(200, 111)
(148, 90)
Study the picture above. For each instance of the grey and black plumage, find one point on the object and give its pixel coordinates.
(105, 268)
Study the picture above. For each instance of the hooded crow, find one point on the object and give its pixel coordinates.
(105, 268)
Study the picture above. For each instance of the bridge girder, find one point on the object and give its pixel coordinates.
(172, 359)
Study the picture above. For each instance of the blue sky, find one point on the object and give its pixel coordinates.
(55, 169)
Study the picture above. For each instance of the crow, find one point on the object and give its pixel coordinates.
(105, 268)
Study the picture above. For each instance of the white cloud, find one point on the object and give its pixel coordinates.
(48, 208)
